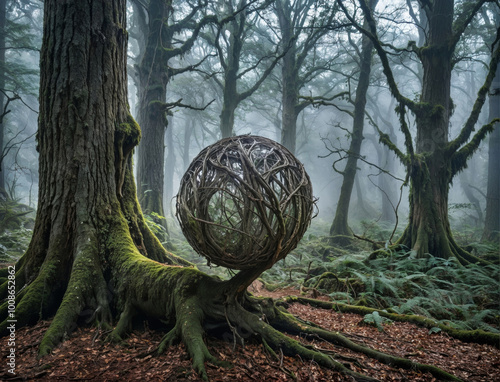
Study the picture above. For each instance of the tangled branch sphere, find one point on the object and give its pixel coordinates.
(244, 202)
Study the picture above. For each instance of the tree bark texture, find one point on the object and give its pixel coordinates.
(86, 192)
(428, 231)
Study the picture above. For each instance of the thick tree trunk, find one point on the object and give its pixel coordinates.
(428, 231)
(339, 231)
(153, 79)
(86, 191)
(492, 219)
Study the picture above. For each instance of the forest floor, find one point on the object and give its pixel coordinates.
(85, 356)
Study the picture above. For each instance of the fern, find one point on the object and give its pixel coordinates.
(375, 319)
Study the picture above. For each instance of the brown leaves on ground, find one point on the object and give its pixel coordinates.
(85, 356)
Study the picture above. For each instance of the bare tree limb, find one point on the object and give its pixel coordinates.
(468, 128)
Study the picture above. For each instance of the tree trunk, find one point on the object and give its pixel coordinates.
(87, 213)
(153, 79)
(387, 187)
(188, 133)
(3, 16)
(230, 97)
(170, 163)
(339, 231)
(289, 74)
(492, 219)
(428, 231)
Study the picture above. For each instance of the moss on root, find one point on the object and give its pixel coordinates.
(287, 322)
(477, 336)
(110, 262)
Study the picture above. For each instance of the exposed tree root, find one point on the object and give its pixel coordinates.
(336, 338)
(477, 336)
(448, 249)
(108, 272)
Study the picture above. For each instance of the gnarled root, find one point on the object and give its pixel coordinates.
(290, 324)
(261, 319)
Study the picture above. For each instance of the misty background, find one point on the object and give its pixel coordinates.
(323, 135)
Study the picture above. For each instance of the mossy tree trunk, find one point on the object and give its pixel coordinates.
(340, 231)
(434, 162)
(433, 168)
(86, 192)
(91, 253)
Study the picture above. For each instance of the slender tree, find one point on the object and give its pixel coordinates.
(232, 40)
(300, 32)
(435, 160)
(153, 78)
(154, 73)
(339, 230)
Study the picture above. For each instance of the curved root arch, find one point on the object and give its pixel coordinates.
(189, 298)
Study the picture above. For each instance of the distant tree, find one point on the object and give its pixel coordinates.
(301, 26)
(386, 158)
(339, 231)
(245, 59)
(16, 78)
(154, 72)
(435, 160)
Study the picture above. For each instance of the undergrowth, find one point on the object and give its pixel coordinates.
(16, 222)
(463, 297)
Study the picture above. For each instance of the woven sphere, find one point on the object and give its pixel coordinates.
(244, 202)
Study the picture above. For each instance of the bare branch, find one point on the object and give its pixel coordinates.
(171, 105)
(372, 35)
(464, 18)
(468, 128)
(460, 158)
